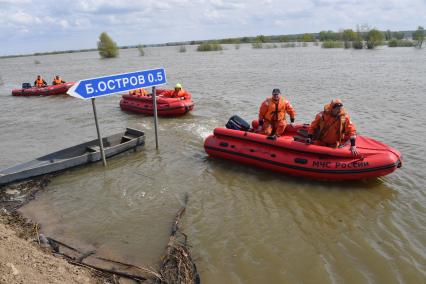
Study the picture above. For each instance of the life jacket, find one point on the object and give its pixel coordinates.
(39, 82)
(57, 81)
(276, 111)
(139, 92)
(340, 120)
(180, 94)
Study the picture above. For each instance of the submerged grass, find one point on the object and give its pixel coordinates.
(332, 44)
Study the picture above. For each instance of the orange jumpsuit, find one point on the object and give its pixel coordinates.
(332, 131)
(40, 82)
(174, 94)
(57, 81)
(138, 92)
(273, 115)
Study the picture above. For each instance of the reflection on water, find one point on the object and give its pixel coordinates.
(246, 225)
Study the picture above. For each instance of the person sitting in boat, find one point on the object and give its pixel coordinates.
(333, 127)
(39, 82)
(138, 92)
(272, 114)
(178, 92)
(57, 80)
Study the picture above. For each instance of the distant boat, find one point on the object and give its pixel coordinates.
(165, 106)
(27, 90)
(81, 154)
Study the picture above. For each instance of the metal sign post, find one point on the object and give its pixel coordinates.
(103, 86)
(154, 104)
(101, 144)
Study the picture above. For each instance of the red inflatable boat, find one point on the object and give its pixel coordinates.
(287, 155)
(165, 106)
(43, 91)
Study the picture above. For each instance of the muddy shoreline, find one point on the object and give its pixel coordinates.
(23, 259)
(25, 244)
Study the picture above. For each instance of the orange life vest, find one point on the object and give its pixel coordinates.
(332, 130)
(39, 82)
(57, 81)
(276, 111)
(139, 92)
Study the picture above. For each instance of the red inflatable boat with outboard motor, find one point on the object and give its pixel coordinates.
(291, 155)
(166, 106)
(27, 90)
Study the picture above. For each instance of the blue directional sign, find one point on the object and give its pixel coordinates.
(108, 85)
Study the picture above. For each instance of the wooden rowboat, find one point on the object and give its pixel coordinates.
(81, 154)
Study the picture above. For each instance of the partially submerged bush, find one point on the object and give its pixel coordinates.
(257, 45)
(205, 46)
(358, 44)
(400, 43)
(374, 38)
(332, 44)
(287, 45)
(273, 45)
(141, 50)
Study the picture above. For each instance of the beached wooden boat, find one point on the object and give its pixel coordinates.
(74, 156)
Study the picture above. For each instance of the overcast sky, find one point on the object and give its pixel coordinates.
(28, 26)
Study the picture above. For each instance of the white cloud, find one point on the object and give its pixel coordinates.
(153, 21)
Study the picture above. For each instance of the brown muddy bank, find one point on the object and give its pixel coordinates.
(26, 255)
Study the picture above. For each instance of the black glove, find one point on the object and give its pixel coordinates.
(260, 122)
(291, 119)
(309, 139)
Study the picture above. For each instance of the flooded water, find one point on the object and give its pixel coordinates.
(245, 225)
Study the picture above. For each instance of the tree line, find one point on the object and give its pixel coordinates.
(347, 38)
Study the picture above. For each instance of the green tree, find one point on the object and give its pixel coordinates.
(374, 38)
(348, 35)
(307, 38)
(283, 39)
(106, 46)
(260, 38)
(398, 35)
(358, 42)
(419, 36)
(329, 36)
(388, 35)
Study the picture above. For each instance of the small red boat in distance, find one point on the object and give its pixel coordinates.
(52, 90)
(289, 154)
(166, 106)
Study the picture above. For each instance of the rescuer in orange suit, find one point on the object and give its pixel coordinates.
(57, 80)
(138, 92)
(332, 127)
(178, 92)
(39, 82)
(272, 114)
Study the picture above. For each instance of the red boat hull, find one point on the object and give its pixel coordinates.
(288, 156)
(44, 91)
(165, 106)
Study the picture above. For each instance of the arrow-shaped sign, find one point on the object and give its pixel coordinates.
(108, 85)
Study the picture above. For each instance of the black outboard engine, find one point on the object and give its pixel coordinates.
(237, 123)
(26, 85)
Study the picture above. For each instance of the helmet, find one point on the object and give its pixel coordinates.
(276, 91)
(178, 86)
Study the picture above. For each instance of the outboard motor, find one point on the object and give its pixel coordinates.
(237, 123)
(26, 85)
